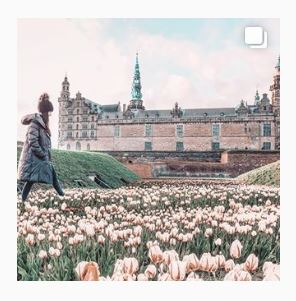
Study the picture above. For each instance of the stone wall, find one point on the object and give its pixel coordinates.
(195, 164)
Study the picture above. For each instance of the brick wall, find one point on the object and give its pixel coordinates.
(143, 170)
(231, 164)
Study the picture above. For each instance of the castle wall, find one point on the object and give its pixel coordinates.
(196, 136)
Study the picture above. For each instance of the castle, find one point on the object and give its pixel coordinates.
(87, 125)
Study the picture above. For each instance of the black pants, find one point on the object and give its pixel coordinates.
(56, 184)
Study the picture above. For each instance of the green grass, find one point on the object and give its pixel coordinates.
(72, 165)
(265, 175)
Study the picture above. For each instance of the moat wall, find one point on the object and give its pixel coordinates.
(222, 164)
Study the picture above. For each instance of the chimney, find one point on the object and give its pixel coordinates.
(124, 107)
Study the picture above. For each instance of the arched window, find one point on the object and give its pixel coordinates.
(76, 135)
(77, 126)
(88, 146)
(78, 146)
(77, 111)
(77, 119)
(68, 147)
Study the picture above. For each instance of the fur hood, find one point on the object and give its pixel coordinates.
(36, 117)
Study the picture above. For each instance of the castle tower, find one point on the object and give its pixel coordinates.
(275, 98)
(64, 102)
(275, 89)
(65, 93)
(136, 103)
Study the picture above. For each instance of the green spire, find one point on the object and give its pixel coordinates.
(136, 87)
(257, 97)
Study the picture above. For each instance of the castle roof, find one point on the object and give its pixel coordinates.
(211, 112)
(97, 108)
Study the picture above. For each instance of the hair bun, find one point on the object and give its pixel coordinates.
(44, 105)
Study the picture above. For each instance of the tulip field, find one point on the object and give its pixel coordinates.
(170, 231)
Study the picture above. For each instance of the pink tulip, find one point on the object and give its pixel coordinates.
(192, 263)
(229, 265)
(236, 249)
(169, 256)
(155, 254)
(251, 263)
(130, 265)
(177, 270)
(150, 271)
(88, 271)
(220, 260)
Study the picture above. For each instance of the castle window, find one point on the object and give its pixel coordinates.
(179, 130)
(215, 130)
(77, 119)
(77, 111)
(215, 145)
(179, 146)
(84, 126)
(69, 134)
(92, 126)
(92, 134)
(88, 146)
(77, 104)
(78, 146)
(84, 119)
(68, 146)
(148, 130)
(266, 146)
(84, 111)
(70, 112)
(77, 126)
(266, 129)
(70, 119)
(76, 135)
(69, 126)
(116, 131)
(92, 118)
(148, 146)
(84, 134)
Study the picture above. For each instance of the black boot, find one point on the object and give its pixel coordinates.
(56, 184)
(26, 189)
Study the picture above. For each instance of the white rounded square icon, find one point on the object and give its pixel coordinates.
(254, 35)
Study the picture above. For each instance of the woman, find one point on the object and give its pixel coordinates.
(35, 164)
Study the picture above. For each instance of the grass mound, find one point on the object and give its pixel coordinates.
(72, 166)
(265, 175)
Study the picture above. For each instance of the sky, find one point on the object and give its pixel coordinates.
(197, 62)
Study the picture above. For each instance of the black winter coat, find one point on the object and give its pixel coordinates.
(35, 161)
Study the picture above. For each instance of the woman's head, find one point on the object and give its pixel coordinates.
(45, 107)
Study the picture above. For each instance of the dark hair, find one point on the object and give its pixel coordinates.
(45, 106)
(45, 118)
